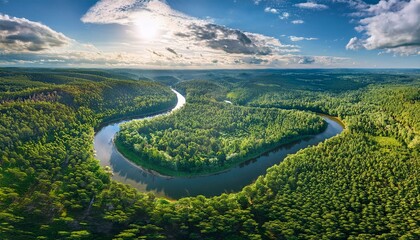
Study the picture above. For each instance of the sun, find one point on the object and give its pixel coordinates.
(148, 26)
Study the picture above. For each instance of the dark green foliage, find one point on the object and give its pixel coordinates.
(362, 184)
(322, 192)
(107, 98)
(47, 167)
(202, 91)
(207, 137)
(167, 80)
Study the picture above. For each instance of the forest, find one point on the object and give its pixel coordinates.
(210, 136)
(361, 184)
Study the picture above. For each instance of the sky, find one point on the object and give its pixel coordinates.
(210, 34)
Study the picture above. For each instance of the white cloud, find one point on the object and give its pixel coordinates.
(354, 44)
(313, 61)
(195, 39)
(356, 4)
(391, 25)
(127, 12)
(296, 39)
(404, 51)
(22, 35)
(284, 15)
(198, 41)
(298, 21)
(256, 2)
(311, 5)
(176, 40)
(271, 10)
(26, 42)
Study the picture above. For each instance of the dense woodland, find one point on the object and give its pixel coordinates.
(211, 136)
(361, 184)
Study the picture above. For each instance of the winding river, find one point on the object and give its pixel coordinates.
(231, 180)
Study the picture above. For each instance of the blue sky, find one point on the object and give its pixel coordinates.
(210, 34)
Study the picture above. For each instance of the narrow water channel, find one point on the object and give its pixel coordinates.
(231, 180)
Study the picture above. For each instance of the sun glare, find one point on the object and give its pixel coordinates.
(148, 27)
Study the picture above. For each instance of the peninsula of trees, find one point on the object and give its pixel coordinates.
(211, 136)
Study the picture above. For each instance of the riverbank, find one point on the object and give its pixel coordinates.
(337, 119)
(209, 137)
(231, 180)
(130, 117)
(168, 107)
(169, 173)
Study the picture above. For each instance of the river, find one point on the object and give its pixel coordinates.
(231, 180)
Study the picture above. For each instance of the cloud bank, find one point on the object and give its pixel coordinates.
(391, 25)
(156, 36)
(198, 41)
(22, 35)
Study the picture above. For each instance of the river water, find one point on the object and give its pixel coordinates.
(231, 180)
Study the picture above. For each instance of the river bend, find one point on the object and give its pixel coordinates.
(231, 180)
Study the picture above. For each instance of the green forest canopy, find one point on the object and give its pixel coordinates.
(211, 136)
(362, 184)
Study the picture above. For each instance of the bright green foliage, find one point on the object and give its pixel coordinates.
(108, 98)
(362, 184)
(47, 167)
(202, 91)
(320, 192)
(206, 137)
